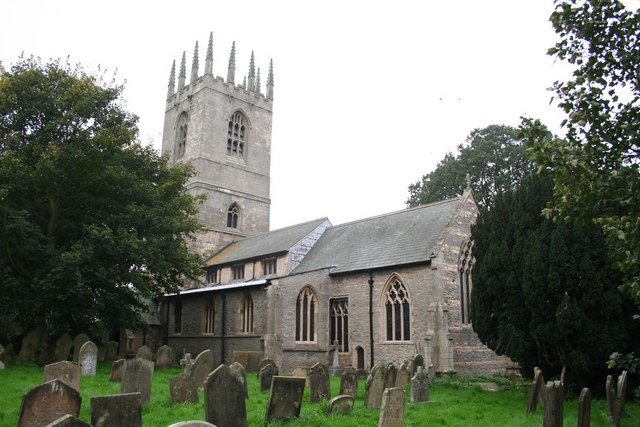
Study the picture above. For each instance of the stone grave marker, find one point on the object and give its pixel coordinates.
(202, 367)
(164, 357)
(78, 342)
(68, 421)
(182, 389)
(187, 362)
(535, 392)
(117, 367)
(285, 398)
(584, 408)
(264, 362)
(420, 386)
(194, 423)
(48, 402)
(319, 387)
(111, 351)
(553, 404)
(250, 360)
(390, 376)
(611, 395)
(224, 399)
(9, 354)
(301, 373)
(374, 387)
(64, 343)
(349, 382)
(102, 353)
(416, 360)
(88, 358)
(342, 404)
(335, 368)
(144, 352)
(137, 377)
(117, 410)
(238, 371)
(29, 346)
(267, 372)
(621, 391)
(402, 377)
(392, 410)
(65, 371)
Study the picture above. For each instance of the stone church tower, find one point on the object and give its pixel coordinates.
(224, 130)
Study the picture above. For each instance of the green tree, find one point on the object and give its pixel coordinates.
(595, 165)
(92, 224)
(544, 292)
(493, 158)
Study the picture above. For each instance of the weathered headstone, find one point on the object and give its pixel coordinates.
(416, 360)
(224, 398)
(117, 367)
(48, 402)
(78, 342)
(117, 410)
(164, 357)
(349, 382)
(420, 386)
(237, 370)
(144, 352)
(64, 343)
(374, 387)
(390, 376)
(65, 371)
(102, 353)
(611, 395)
(402, 377)
(137, 377)
(267, 372)
(319, 387)
(29, 347)
(88, 358)
(584, 408)
(285, 398)
(342, 404)
(621, 391)
(194, 423)
(301, 373)
(535, 392)
(335, 368)
(202, 367)
(187, 362)
(553, 404)
(68, 421)
(264, 362)
(9, 354)
(111, 351)
(182, 389)
(392, 410)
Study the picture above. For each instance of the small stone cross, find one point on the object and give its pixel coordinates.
(187, 362)
(336, 347)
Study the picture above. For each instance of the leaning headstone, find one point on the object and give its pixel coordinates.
(145, 352)
(553, 404)
(182, 389)
(164, 357)
(402, 377)
(117, 410)
(342, 404)
(621, 391)
(117, 367)
(202, 367)
(68, 421)
(319, 387)
(194, 423)
(285, 398)
(224, 399)
(137, 377)
(63, 347)
(267, 372)
(420, 386)
(584, 408)
(88, 358)
(237, 370)
(392, 410)
(48, 402)
(111, 351)
(78, 342)
(416, 360)
(349, 382)
(535, 391)
(65, 371)
(29, 347)
(390, 376)
(374, 387)
(264, 362)
(301, 373)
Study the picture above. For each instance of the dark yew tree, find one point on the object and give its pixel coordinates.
(545, 293)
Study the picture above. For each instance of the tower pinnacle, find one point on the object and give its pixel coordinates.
(183, 71)
(270, 81)
(172, 80)
(252, 74)
(194, 66)
(208, 64)
(231, 73)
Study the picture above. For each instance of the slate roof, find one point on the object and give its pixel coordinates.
(264, 244)
(403, 237)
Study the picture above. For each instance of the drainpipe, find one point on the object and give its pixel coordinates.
(371, 317)
(224, 300)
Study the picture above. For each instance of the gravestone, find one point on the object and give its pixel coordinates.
(264, 362)
(238, 371)
(102, 352)
(349, 382)
(63, 347)
(88, 358)
(390, 376)
(117, 367)
(584, 408)
(285, 398)
(78, 342)
(137, 377)
(224, 398)
(29, 346)
(342, 404)
(68, 421)
(48, 402)
(420, 386)
(402, 377)
(164, 357)
(111, 351)
(611, 395)
(392, 410)
(416, 360)
(182, 389)
(621, 391)
(553, 404)
(202, 367)
(9, 354)
(187, 362)
(535, 392)
(319, 387)
(374, 387)
(194, 423)
(335, 368)
(144, 352)
(301, 373)
(117, 410)
(65, 371)
(267, 372)
(250, 360)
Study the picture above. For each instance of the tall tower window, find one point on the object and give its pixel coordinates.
(181, 136)
(237, 135)
(306, 316)
(396, 301)
(465, 265)
(233, 213)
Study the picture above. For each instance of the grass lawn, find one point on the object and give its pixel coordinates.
(453, 402)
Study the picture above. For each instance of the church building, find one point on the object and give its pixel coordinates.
(376, 290)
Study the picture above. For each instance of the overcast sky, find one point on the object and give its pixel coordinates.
(368, 95)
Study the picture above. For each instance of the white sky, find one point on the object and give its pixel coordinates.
(368, 96)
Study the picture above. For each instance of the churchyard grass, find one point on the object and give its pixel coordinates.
(453, 402)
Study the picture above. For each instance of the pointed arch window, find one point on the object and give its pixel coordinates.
(397, 311)
(181, 136)
(233, 214)
(465, 266)
(339, 323)
(247, 314)
(306, 311)
(237, 135)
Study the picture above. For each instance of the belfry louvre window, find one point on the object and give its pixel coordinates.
(209, 316)
(397, 311)
(247, 314)
(237, 135)
(181, 136)
(339, 323)
(465, 265)
(306, 316)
